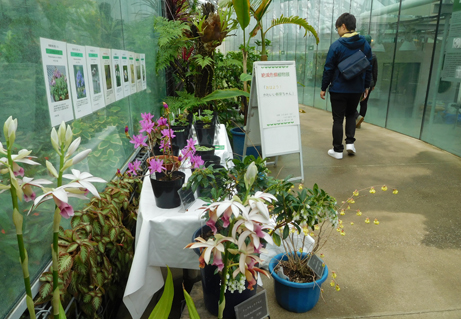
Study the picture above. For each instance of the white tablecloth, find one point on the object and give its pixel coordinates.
(161, 235)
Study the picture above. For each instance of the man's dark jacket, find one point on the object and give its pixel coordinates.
(340, 50)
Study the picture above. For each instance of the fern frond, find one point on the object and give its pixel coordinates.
(295, 20)
(203, 61)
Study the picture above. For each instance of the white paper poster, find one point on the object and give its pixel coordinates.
(277, 91)
(132, 71)
(108, 81)
(143, 70)
(54, 59)
(95, 78)
(137, 64)
(126, 74)
(76, 59)
(116, 70)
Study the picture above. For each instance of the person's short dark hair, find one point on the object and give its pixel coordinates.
(348, 20)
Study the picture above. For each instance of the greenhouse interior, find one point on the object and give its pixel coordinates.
(168, 159)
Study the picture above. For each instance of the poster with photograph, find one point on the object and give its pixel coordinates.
(132, 71)
(108, 77)
(137, 64)
(76, 59)
(126, 79)
(117, 71)
(142, 57)
(95, 77)
(54, 59)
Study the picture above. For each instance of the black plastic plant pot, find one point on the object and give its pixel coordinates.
(181, 135)
(211, 159)
(203, 153)
(166, 191)
(211, 284)
(205, 133)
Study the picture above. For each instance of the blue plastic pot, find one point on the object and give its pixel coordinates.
(238, 141)
(293, 296)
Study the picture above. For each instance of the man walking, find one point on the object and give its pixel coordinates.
(345, 94)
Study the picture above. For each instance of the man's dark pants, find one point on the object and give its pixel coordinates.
(343, 105)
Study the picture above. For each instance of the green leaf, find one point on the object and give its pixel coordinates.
(295, 20)
(224, 94)
(163, 307)
(96, 302)
(62, 313)
(72, 247)
(276, 239)
(286, 231)
(101, 247)
(245, 77)
(45, 290)
(193, 314)
(86, 298)
(100, 278)
(65, 263)
(242, 10)
(83, 253)
(113, 234)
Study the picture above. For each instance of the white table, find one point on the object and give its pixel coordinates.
(161, 235)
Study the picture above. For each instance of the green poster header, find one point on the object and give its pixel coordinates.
(116, 57)
(137, 59)
(105, 57)
(51, 51)
(78, 55)
(92, 55)
(123, 57)
(131, 58)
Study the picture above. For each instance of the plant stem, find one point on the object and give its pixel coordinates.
(54, 253)
(18, 222)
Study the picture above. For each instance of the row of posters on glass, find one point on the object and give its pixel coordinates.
(83, 79)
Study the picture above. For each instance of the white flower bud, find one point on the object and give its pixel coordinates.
(250, 175)
(73, 147)
(80, 156)
(62, 133)
(55, 141)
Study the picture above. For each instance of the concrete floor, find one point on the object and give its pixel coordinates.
(408, 266)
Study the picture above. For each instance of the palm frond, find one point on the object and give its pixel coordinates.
(295, 20)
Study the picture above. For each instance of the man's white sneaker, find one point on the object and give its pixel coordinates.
(350, 148)
(334, 154)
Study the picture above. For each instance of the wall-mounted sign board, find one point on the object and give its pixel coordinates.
(273, 113)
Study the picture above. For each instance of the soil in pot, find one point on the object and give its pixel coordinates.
(204, 149)
(296, 275)
(166, 190)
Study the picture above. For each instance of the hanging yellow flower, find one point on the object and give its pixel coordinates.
(376, 221)
(332, 283)
(359, 213)
(300, 186)
(316, 227)
(337, 288)
(367, 220)
(348, 207)
(333, 274)
(305, 231)
(322, 255)
(384, 188)
(352, 223)
(356, 193)
(395, 191)
(342, 212)
(343, 233)
(372, 190)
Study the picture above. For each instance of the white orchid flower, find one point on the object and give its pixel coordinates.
(26, 184)
(21, 157)
(60, 196)
(84, 180)
(234, 204)
(250, 175)
(9, 129)
(76, 159)
(257, 202)
(211, 246)
(55, 141)
(73, 147)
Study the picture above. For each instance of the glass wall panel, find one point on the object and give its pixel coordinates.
(121, 24)
(442, 117)
(311, 11)
(410, 69)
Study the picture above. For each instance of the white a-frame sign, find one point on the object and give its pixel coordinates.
(273, 112)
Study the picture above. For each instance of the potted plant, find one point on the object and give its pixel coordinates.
(304, 221)
(230, 242)
(205, 127)
(204, 149)
(181, 129)
(297, 286)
